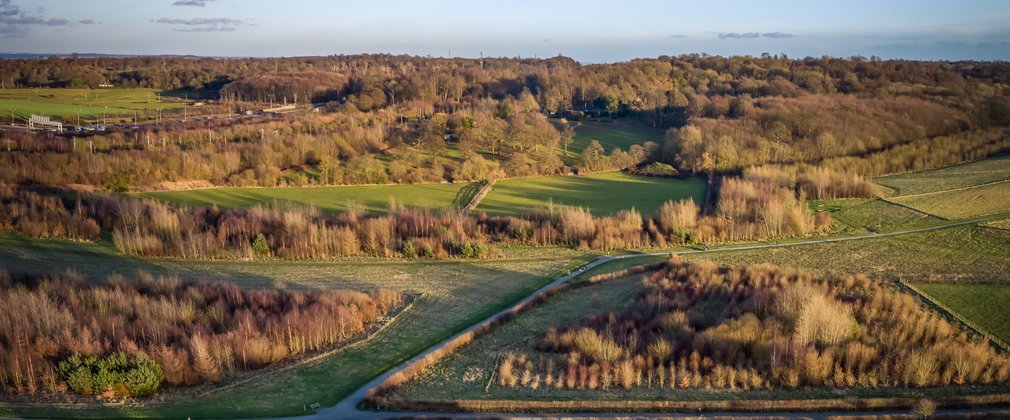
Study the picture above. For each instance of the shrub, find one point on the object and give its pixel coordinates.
(595, 347)
(112, 376)
(260, 245)
(924, 408)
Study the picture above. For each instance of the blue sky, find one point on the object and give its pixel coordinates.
(589, 31)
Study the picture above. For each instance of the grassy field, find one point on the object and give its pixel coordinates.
(90, 103)
(615, 133)
(982, 304)
(453, 295)
(955, 255)
(604, 193)
(858, 216)
(374, 198)
(958, 176)
(955, 192)
(962, 203)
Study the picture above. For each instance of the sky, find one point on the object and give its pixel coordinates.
(589, 31)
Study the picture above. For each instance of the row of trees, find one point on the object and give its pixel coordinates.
(815, 181)
(746, 210)
(775, 328)
(125, 337)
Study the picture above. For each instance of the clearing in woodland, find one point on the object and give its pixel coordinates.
(602, 194)
(620, 133)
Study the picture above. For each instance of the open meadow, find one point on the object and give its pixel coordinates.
(873, 215)
(89, 103)
(602, 194)
(962, 203)
(619, 133)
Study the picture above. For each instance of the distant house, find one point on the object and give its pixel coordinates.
(105, 85)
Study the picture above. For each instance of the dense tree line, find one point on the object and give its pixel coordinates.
(808, 129)
(124, 338)
(925, 154)
(377, 81)
(747, 209)
(313, 149)
(699, 326)
(44, 216)
(738, 112)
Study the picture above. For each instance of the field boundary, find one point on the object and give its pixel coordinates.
(485, 188)
(907, 207)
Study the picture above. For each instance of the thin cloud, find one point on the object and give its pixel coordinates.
(754, 35)
(87, 22)
(203, 24)
(678, 36)
(777, 35)
(17, 22)
(738, 35)
(196, 3)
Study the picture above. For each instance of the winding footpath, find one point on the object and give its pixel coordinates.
(348, 407)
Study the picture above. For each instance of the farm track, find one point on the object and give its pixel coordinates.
(348, 408)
